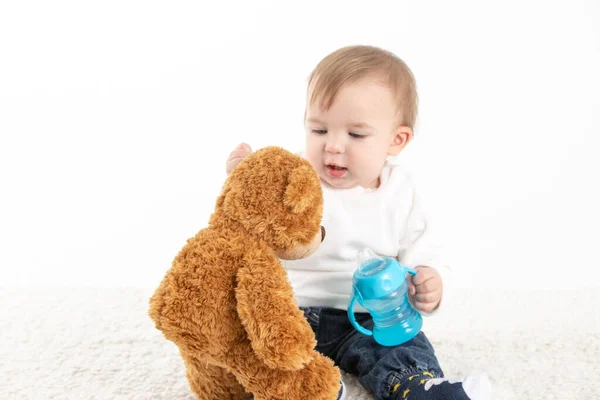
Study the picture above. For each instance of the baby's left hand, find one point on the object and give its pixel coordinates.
(425, 289)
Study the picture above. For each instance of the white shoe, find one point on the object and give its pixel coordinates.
(476, 386)
(342, 392)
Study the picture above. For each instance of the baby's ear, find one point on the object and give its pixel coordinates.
(402, 137)
(302, 189)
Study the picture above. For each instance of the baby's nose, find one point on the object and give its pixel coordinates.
(335, 147)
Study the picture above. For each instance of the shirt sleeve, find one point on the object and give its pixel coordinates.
(419, 245)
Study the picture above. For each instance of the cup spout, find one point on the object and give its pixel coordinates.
(368, 261)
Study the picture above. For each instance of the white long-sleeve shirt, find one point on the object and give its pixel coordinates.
(388, 220)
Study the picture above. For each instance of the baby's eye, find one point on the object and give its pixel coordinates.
(356, 135)
(319, 131)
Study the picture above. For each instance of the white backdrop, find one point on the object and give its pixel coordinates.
(116, 118)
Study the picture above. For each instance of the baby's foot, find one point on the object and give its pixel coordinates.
(476, 387)
(426, 386)
(342, 392)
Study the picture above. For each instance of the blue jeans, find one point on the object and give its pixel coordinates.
(380, 369)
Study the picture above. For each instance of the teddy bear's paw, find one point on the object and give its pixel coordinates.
(320, 380)
(295, 359)
(287, 351)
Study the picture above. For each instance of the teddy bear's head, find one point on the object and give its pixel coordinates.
(276, 197)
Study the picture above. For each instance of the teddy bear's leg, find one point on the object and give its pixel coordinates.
(318, 380)
(210, 382)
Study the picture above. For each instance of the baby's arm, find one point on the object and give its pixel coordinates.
(419, 250)
(276, 327)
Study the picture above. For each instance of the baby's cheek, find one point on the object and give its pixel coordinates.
(312, 159)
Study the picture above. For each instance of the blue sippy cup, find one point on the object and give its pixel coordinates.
(379, 285)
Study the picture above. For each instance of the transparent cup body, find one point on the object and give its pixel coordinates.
(392, 309)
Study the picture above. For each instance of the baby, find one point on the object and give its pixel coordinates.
(361, 108)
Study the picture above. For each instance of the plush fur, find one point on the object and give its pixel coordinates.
(226, 301)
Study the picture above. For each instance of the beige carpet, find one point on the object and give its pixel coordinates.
(99, 344)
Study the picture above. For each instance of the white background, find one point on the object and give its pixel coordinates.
(116, 118)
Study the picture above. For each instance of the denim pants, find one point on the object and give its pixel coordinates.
(380, 369)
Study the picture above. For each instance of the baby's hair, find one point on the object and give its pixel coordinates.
(352, 63)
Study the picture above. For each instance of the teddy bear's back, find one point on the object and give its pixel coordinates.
(199, 292)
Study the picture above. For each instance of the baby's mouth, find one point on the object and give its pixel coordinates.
(335, 171)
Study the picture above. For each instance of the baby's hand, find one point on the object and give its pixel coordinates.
(237, 155)
(425, 289)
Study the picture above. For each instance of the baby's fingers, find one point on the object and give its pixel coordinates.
(412, 290)
(431, 297)
(237, 155)
(242, 150)
(232, 163)
(425, 307)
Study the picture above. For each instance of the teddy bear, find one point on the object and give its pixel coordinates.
(226, 301)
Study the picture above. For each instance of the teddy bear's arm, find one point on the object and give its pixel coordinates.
(276, 327)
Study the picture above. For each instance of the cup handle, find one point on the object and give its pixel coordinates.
(410, 271)
(352, 319)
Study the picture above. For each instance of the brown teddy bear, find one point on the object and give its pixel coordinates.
(226, 301)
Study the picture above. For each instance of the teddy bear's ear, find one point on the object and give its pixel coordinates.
(300, 192)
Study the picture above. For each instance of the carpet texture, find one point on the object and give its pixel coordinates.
(99, 344)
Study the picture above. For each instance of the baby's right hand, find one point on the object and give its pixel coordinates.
(237, 155)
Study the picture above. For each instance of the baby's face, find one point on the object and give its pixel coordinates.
(348, 143)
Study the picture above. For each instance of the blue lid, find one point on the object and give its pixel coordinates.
(377, 277)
